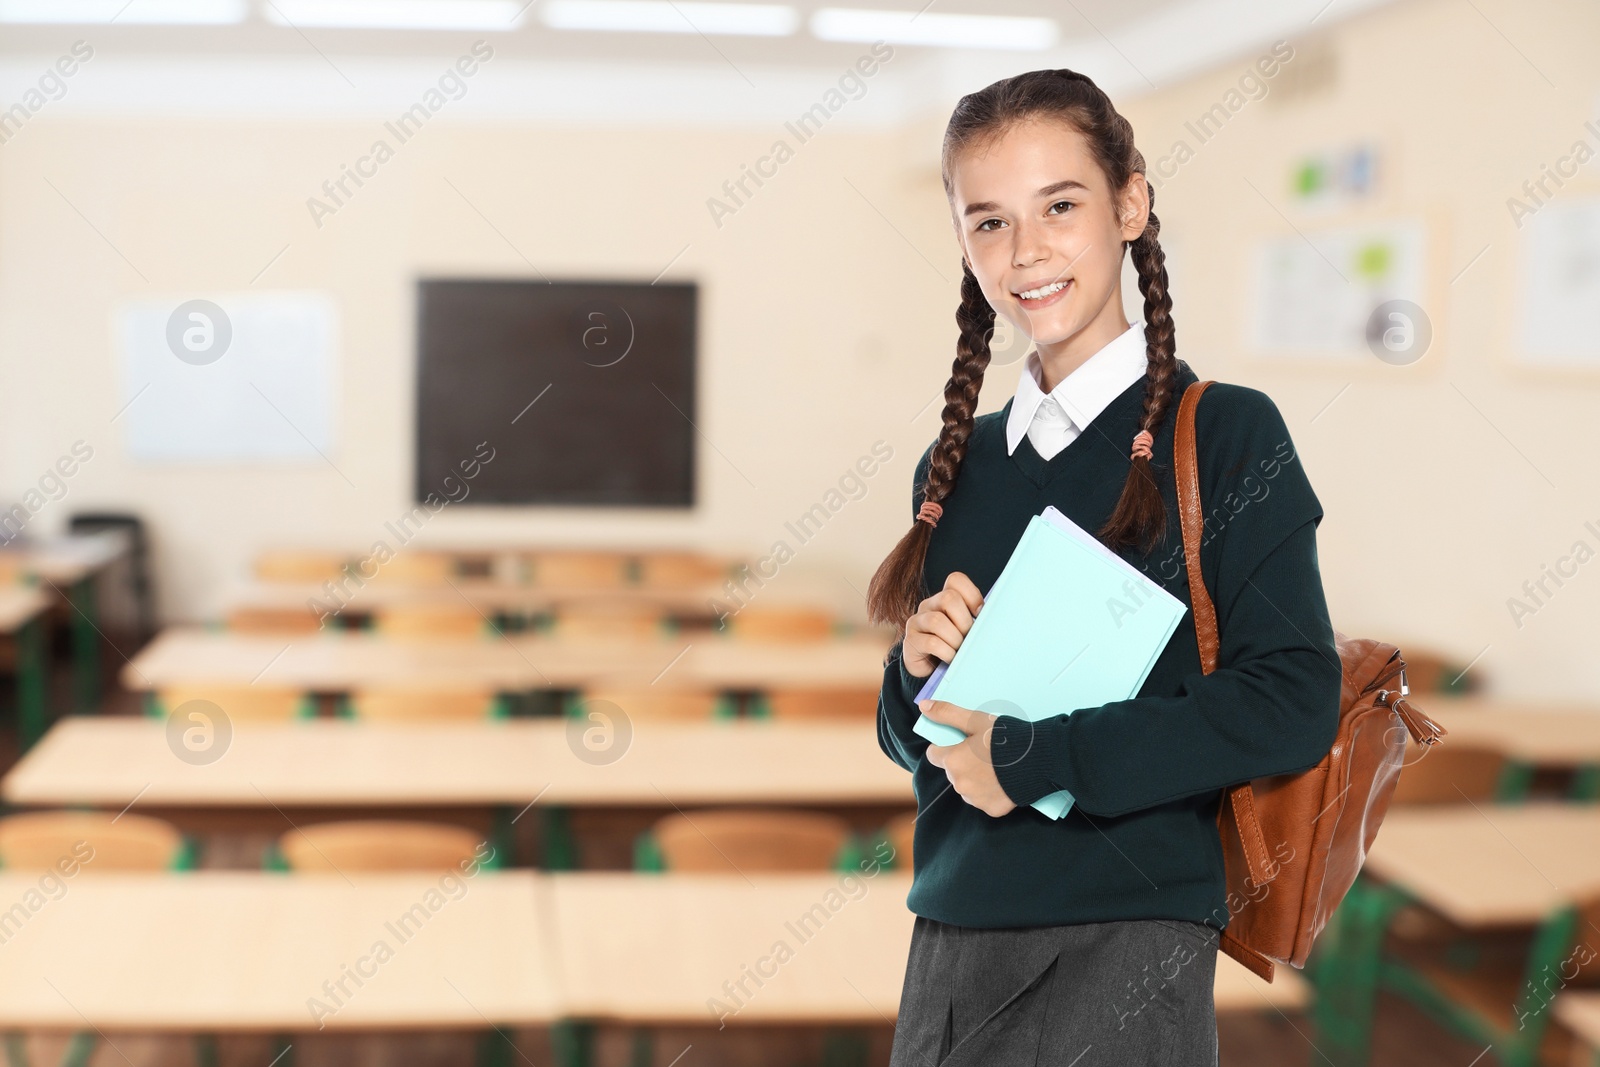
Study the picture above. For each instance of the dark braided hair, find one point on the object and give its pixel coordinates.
(1140, 517)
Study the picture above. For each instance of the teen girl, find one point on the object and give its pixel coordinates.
(1090, 939)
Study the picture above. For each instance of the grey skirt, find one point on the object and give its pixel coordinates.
(1114, 993)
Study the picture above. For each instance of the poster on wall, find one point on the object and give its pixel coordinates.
(227, 378)
(1316, 292)
(1559, 285)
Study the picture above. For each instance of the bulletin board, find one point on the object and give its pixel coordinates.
(1315, 291)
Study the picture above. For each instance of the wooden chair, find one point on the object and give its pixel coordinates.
(609, 620)
(95, 841)
(671, 570)
(1579, 1015)
(1430, 671)
(240, 703)
(899, 832)
(849, 703)
(315, 567)
(422, 705)
(731, 840)
(273, 621)
(379, 845)
(758, 623)
(430, 620)
(660, 703)
(582, 570)
(417, 568)
(1453, 774)
(14, 568)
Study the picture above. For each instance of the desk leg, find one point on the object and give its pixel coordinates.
(1346, 972)
(1515, 781)
(573, 1040)
(503, 836)
(844, 1048)
(85, 646)
(33, 706)
(496, 1048)
(560, 850)
(79, 1049)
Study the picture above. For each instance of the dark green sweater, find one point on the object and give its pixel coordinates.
(1141, 840)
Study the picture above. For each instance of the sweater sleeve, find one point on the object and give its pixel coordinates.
(898, 712)
(897, 709)
(1272, 704)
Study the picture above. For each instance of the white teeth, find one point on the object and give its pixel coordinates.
(1042, 291)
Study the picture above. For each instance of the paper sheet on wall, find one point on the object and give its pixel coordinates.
(1559, 283)
(227, 378)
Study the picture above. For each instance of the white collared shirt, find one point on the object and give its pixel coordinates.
(1052, 420)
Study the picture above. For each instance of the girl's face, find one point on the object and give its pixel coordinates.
(1043, 232)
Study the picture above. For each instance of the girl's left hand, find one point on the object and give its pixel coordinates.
(968, 764)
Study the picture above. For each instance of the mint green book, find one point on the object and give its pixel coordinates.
(1069, 624)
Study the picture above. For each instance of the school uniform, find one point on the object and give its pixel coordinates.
(1092, 939)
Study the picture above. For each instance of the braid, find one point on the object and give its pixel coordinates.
(896, 588)
(1140, 517)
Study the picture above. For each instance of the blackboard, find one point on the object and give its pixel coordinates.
(582, 391)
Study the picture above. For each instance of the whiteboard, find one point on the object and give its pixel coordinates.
(1314, 292)
(1559, 285)
(228, 377)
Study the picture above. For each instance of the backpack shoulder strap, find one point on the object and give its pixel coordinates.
(1192, 518)
(1193, 521)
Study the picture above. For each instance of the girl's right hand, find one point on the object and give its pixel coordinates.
(935, 632)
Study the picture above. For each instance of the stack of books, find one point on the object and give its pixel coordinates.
(1069, 624)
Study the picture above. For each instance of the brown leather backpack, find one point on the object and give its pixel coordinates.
(1294, 843)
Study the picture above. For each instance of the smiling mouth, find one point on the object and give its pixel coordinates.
(1043, 292)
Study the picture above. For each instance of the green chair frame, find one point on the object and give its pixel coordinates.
(1349, 969)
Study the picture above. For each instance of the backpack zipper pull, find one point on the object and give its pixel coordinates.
(1422, 729)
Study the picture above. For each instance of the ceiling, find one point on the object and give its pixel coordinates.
(259, 67)
(258, 36)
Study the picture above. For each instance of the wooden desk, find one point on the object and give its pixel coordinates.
(1490, 864)
(106, 762)
(225, 951)
(339, 662)
(69, 559)
(655, 948)
(20, 609)
(1580, 1013)
(20, 605)
(697, 602)
(245, 952)
(68, 566)
(1547, 735)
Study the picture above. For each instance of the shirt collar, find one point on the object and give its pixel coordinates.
(1085, 392)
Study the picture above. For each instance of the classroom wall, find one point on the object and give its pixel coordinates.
(803, 350)
(1449, 483)
(827, 319)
